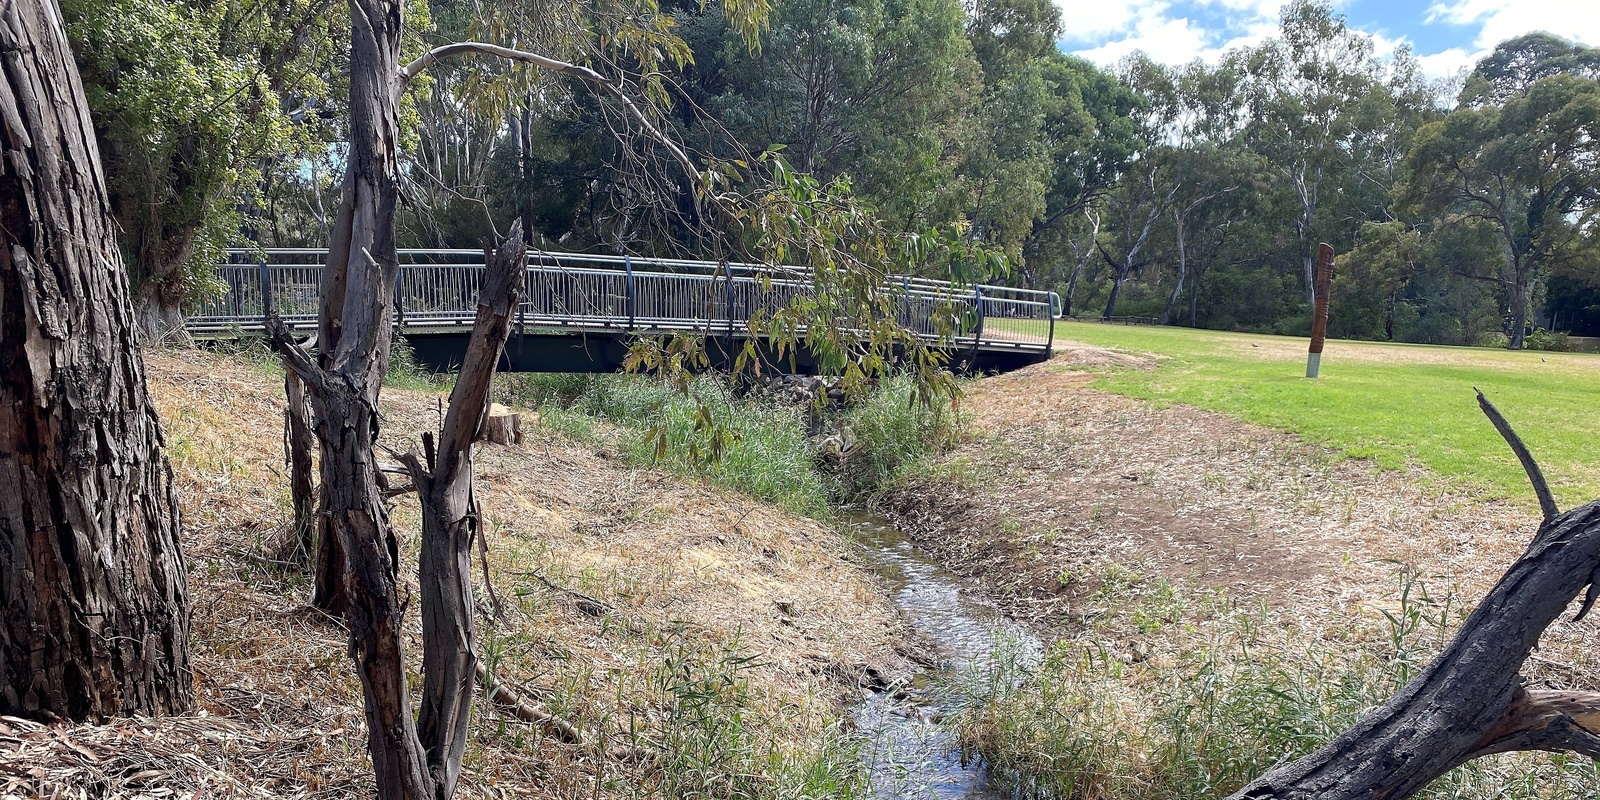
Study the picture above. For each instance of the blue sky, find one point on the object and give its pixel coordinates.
(1447, 36)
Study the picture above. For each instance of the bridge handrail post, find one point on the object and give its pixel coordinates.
(266, 293)
(633, 303)
(1050, 342)
(906, 319)
(727, 336)
(977, 333)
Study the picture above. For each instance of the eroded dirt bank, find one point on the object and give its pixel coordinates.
(1064, 487)
(630, 594)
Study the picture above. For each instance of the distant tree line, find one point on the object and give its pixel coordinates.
(1464, 212)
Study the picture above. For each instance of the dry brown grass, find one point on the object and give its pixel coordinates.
(674, 564)
(1066, 487)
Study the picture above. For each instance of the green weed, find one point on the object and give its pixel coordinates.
(748, 444)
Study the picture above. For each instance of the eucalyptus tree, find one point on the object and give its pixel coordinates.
(1515, 65)
(874, 91)
(1528, 169)
(92, 580)
(1091, 135)
(194, 105)
(1317, 94)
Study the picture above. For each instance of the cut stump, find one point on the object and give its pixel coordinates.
(501, 426)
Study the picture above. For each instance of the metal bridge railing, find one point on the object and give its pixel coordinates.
(439, 288)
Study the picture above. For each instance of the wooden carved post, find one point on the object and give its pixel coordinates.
(1319, 315)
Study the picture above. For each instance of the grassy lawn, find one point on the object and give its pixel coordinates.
(1395, 404)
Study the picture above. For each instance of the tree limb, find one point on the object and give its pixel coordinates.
(582, 73)
(1547, 503)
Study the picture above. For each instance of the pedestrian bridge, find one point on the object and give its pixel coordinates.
(579, 311)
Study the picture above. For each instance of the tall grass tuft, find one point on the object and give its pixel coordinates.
(1222, 694)
(710, 743)
(750, 444)
(890, 432)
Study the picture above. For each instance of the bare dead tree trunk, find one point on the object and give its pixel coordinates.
(298, 443)
(443, 477)
(1470, 702)
(94, 612)
(357, 551)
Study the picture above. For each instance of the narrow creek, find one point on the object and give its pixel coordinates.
(909, 754)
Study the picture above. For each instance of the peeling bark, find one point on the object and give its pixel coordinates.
(94, 617)
(450, 522)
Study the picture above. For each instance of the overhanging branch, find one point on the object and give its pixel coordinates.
(582, 73)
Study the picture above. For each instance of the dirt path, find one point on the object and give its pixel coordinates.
(1066, 487)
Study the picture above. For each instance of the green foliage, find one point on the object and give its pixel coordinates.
(751, 445)
(889, 432)
(761, 450)
(1542, 339)
(405, 373)
(192, 105)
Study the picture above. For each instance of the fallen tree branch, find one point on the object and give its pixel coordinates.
(585, 603)
(526, 710)
(1471, 701)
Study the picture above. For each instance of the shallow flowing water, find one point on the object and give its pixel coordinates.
(910, 755)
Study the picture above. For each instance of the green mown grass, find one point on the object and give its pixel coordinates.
(1396, 404)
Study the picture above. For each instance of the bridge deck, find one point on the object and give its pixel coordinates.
(615, 296)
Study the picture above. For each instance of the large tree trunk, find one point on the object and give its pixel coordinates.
(1470, 702)
(357, 553)
(1116, 289)
(1183, 272)
(1519, 309)
(95, 610)
(158, 317)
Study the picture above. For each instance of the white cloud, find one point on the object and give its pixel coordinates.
(1499, 20)
(1108, 31)
(1085, 21)
(1169, 41)
(1447, 63)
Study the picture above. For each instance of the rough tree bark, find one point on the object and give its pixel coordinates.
(298, 441)
(94, 616)
(1471, 701)
(417, 760)
(443, 477)
(357, 559)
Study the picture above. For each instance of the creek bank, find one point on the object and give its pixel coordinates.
(721, 633)
(1065, 487)
(1215, 595)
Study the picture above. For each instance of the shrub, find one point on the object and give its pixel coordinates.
(1542, 339)
(1492, 339)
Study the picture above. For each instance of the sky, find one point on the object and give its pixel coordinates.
(1447, 36)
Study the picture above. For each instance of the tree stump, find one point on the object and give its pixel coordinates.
(501, 426)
